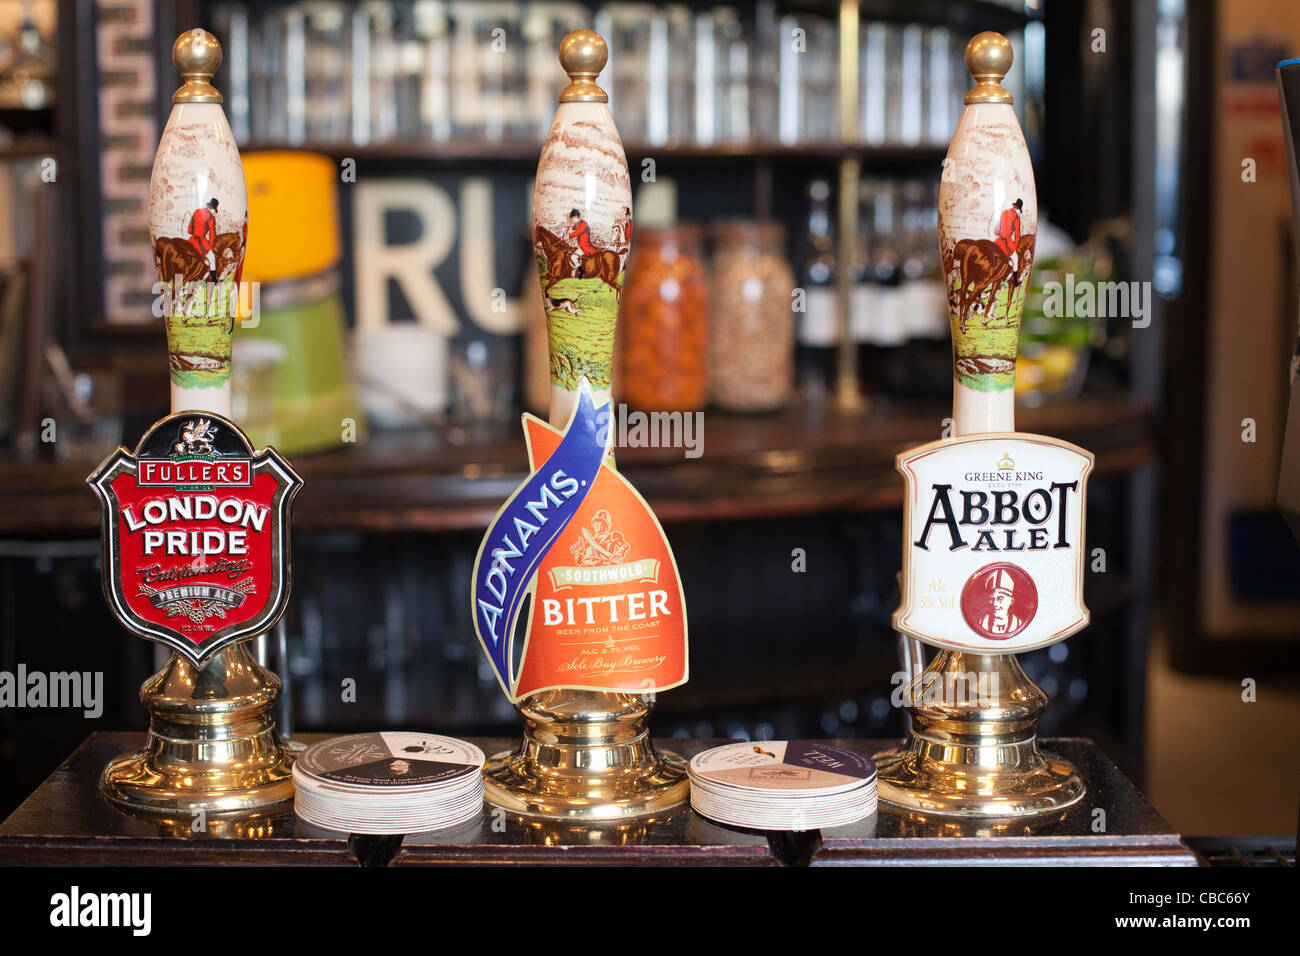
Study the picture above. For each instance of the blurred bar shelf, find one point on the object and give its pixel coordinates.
(23, 148)
(752, 467)
(974, 14)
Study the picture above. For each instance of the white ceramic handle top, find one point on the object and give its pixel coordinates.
(582, 229)
(988, 219)
(198, 229)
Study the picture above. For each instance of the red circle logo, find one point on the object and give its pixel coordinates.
(999, 600)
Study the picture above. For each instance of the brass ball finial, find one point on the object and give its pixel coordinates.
(583, 54)
(197, 55)
(988, 57)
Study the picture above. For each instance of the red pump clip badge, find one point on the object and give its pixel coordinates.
(196, 534)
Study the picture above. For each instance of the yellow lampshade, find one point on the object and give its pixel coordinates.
(293, 216)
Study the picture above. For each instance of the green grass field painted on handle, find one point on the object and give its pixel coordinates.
(199, 342)
(582, 341)
(989, 335)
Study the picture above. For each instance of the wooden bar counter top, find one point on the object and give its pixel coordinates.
(67, 822)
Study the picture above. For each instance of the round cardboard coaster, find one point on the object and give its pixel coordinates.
(391, 760)
(393, 782)
(783, 785)
(793, 767)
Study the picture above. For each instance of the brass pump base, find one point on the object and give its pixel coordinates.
(585, 757)
(212, 744)
(976, 757)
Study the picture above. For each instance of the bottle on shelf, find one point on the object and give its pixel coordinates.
(628, 29)
(880, 328)
(940, 117)
(913, 84)
(818, 325)
(383, 71)
(706, 80)
(733, 64)
(408, 77)
(680, 88)
(881, 83)
(873, 84)
(324, 90)
(808, 89)
(765, 87)
(863, 298)
(434, 33)
(927, 354)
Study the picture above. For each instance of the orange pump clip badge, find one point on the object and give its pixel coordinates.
(607, 611)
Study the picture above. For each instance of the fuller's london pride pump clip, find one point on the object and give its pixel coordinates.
(196, 534)
(607, 611)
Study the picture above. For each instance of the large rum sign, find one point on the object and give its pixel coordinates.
(196, 536)
(993, 557)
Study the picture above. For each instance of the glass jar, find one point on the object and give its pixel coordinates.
(751, 315)
(663, 336)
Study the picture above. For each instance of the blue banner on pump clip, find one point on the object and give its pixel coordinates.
(528, 524)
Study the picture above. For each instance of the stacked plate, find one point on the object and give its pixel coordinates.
(783, 785)
(388, 783)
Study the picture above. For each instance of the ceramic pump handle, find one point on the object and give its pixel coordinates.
(988, 219)
(582, 228)
(198, 228)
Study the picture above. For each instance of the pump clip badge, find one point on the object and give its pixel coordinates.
(196, 534)
(993, 556)
(607, 610)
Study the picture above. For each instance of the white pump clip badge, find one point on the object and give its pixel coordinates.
(993, 556)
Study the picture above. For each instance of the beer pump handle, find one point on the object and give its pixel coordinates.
(988, 218)
(213, 747)
(975, 756)
(198, 229)
(581, 229)
(586, 755)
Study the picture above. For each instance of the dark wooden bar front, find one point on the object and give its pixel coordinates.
(66, 822)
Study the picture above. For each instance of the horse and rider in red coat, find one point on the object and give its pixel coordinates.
(1007, 234)
(203, 235)
(582, 233)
